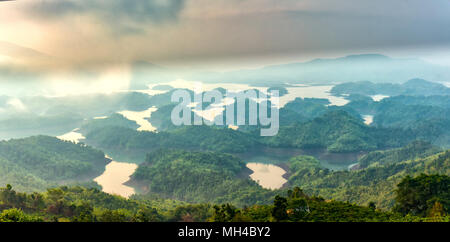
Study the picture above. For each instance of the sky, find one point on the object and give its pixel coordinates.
(218, 34)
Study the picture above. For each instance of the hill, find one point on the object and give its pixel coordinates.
(79, 204)
(204, 138)
(35, 163)
(198, 177)
(413, 87)
(373, 184)
(337, 131)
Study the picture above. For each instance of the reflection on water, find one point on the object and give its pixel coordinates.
(311, 92)
(267, 175)
(72, 136)
(368, 119)
(298, 90)
(114, 177)
(378, 98)
(140, 118)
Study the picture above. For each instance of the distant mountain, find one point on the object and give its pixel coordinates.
(367, 67)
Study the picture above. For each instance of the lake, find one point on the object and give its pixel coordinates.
(368, 119)
(378, 98)
(72, 136)
(267, 175)
(312, 92)
(140, 118)
(115, 175)
(269, 155)
(295, 91)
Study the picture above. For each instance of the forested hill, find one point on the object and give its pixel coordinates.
(204, 138)
(338, 131)
(425, 117)
(375, 183)
(421, 198)
(334, 130)
(415, 150)
(199, 177)
(415, 87)
(113, 120)
(35, 163)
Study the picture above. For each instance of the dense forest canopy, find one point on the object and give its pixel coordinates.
(375, 183)
(35, 163)
(80, 204)
(199, 177)
(413, 87)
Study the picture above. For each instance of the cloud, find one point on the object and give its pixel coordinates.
(190, 32)
(117, 14)
(16, 104)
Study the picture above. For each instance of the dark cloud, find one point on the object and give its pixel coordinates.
(122, 14)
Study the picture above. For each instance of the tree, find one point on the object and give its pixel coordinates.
(17, 215)
(224, 213)
(372, 206)
(279, 211)
(437, 210)
(419, 195)
(147, 215)
(84, 213)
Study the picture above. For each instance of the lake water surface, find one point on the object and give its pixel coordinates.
(368, 119)
(378, 98)
(140, 118)
(311, 92)
(114, 177)
(73, 136)
(267, 175)
(297, 90)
